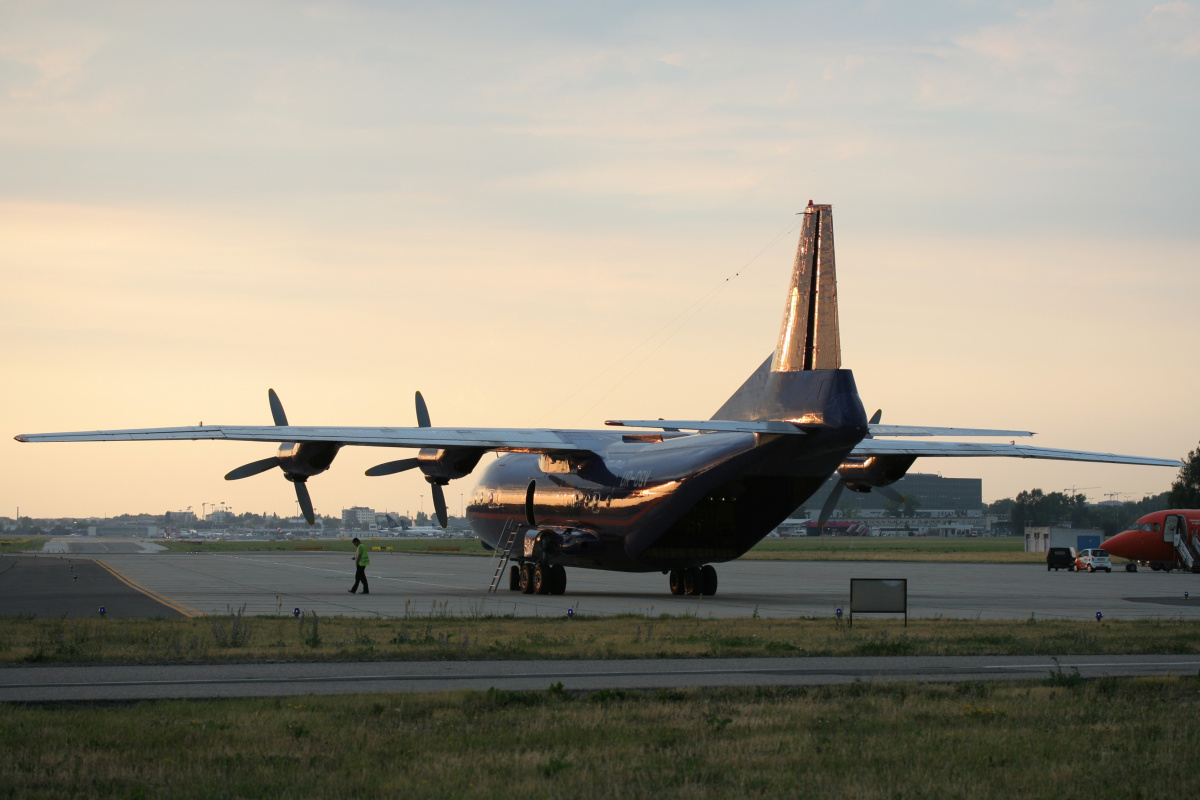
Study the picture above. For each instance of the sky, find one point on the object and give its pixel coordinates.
(548, 214)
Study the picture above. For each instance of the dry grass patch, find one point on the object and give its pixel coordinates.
(434, 637)
(1094, 740)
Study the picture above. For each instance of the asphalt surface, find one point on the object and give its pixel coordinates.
(272, 583)
(90, 683)
(61, 586)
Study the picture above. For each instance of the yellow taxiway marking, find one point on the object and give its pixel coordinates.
(174, 605)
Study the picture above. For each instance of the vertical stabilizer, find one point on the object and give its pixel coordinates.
(809, 337)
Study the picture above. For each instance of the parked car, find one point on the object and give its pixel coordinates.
(1060, 558)
(1093, 559)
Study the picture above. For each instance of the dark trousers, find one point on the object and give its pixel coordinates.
(360, 576)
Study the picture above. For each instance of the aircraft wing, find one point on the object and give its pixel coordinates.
(530, 440)
(922, 430)
(883, 447)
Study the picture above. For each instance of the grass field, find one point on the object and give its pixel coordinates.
(826, 548)
(1059, 738)
(17, 544)
(991, 549)
(432, 637)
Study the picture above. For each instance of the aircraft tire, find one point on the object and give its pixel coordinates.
(1131, 567)
(708, 580)
(514, 578)
(691, 582)
(558, 579)
(676, 581)
(541, 579)
(526, 579)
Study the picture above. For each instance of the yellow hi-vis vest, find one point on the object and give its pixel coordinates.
(363, 558)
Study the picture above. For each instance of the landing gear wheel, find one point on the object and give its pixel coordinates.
(708, 580)
(526, 579)
(691, 581)
(676, 580)
(514, 578)
(1131, 567)
(558, 579)
(541, 579)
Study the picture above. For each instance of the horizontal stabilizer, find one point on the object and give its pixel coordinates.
(922, 430)
(724, 426)
(882, 447)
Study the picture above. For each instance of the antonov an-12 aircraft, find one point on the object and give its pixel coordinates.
(676, 497)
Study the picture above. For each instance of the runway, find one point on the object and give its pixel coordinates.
(163, 681)
(274, 583)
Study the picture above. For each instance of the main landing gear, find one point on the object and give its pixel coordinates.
(530, 578)
(694, 580)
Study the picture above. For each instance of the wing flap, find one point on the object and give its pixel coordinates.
(714, 425)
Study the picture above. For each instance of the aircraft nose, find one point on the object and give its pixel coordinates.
(1122, 545)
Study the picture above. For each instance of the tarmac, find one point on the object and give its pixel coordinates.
(86, 683)
(417, 584)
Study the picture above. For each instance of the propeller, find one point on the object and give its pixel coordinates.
(286, 457)
(836, 492)
(435, 483)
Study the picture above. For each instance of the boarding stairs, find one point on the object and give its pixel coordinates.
(1187, 552)
(504, 548)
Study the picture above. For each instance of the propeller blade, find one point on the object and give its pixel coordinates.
(392, 467)
(253, 468)
(831, 502)
(276, 408)
(422, 412)
(305, 502)
(890, 494)
(878, 415)
(439, 503)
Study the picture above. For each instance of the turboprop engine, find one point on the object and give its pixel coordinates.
(298, 460)
(874, 473)
(439, 466)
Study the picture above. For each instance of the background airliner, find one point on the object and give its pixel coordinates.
(677, 499)
(1164, 540)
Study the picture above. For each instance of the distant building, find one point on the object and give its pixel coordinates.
(935, 497)
(1039, 540)
(359, 518)
(180, 517)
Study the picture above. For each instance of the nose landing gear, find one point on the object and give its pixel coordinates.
(694, 580)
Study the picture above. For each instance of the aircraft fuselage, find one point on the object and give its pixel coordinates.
(651, 502)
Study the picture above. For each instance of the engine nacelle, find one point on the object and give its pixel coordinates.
(444, 465)
(302, 460)
(864, 474)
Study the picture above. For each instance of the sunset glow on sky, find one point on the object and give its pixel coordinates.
(544, 214)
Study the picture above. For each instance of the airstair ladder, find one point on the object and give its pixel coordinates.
(1184, 548)
(508, 537)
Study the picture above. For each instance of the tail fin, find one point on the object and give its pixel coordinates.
(809, 337)
(803, 380)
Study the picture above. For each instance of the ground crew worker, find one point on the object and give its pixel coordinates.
(361, 560)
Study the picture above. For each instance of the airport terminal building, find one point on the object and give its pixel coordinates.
(938, 506)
